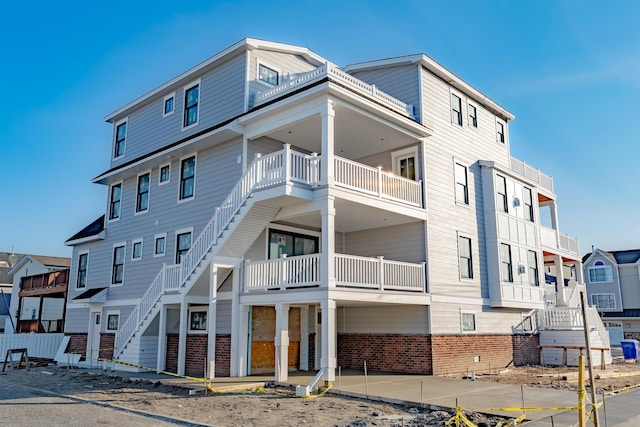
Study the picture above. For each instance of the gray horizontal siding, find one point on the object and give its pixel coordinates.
(396, 319)
(77, 320)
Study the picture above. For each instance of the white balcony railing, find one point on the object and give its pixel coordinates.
(375, 181)
(350, 271)
(331, 70)
(521, 168)
(559, 241)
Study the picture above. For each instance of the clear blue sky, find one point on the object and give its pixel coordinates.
(568, 70)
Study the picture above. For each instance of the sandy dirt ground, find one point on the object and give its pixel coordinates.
(278, 406)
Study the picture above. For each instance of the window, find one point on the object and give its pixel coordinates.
(405, 162)
(136, 250)
(528, 204)
(600, 273)
(191, 105)
(464, 257)
(507, 266)
(468, 321)
(500, 130)
(168, 105)
(159, 246)
(534, 279)
(142, 200)
(473, 116)
(114, 201)
(183, 243)
(462, 186)
(291, 244)
(112, 321)
(603, 301)
(187, 177)
(501, 188)
(268, 75)
(117, 270)
(165, 174)
(81, 281)
(198, 320)
(121, 136)
(456, 110)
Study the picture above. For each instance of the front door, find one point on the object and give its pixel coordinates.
(93, 346)
(616, 333)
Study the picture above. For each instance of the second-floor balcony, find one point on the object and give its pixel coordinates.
(46, 283)
(558, 241)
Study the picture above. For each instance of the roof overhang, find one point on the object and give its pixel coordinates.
(96, 295)
(99, 236)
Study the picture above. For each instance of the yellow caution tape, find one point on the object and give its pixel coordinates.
(566, 408)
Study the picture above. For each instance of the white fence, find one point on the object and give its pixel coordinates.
(37, 345)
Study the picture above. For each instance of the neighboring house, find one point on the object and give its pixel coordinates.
(613, 287)
(268, 210)
(38, 303)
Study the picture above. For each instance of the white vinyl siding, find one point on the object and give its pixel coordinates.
(506, 262)
(456, 110)
(465, 259)
(462, 184)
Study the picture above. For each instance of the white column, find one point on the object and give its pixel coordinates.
(239, 368)
(211, 322)
(304, 338)
(236, 320)
(328, 149)
(327, 270)
(281, 341)
(162, 339)
(579, 278)
(328, 346)
(182, 337)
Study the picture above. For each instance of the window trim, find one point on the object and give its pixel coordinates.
(260, 63)
(107, 323)
(456, 183)
(608, 272)
(164, 104)
(460, 257)
(160, 181)
(510, 264)
(155, 243)
(133, 245)
(397, 156)
(459, 121)
(199, 309)
(116, 125)
(110, 202)
(195, 165)
(137, 210)
(86, 270)
(122, 245)
(535, 274)
(179, 232)
(501, 137)
(504, 207)
(185, 89)
(475, 322)
(529, 212)
(472, 121)
(600, 294)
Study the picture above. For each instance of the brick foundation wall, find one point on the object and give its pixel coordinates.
(77, 344)
(312, 351)
(107, 341)
(197, 354)
(408, 354)
(526, 349)
(454, 354)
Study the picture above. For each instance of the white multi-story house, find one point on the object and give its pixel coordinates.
(268, 210)
(613, 285)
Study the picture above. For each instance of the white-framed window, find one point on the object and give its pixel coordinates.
(405, 162)
(115, 198)
(268, 74)
(164, 174)
(527, 195)
(603, 301)
(506, 263)
(183, 242)
(120, 138)
(456, 109)
(501, 190)
(113, 320)
(168, 105)
(465, 260)
(500, 136)
(198, 319)
(462, 184)
(136, 249)
(187, 178)
(467, 321)
(142, 193)
(534, 277)
(600, 273)
(191, 115)
(117, 263)
(473, 115)
(83, 268)
(160, 244)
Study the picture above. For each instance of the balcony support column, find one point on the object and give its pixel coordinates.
(304, 338)
(161, 360)
(281, 342)
(239, 328)
(328, 149)
(578, 268)
(327, 267)
(182, 336)
(211, 322)
(329, 338)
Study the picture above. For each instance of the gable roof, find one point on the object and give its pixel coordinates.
(628, 256)
(7, 270)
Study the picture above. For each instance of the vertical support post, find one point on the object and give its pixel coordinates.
(557, 261)
(182, 336)
(581, 393)
(327, 144)
(286, 162)
(211, 321)
(329, 336)
(162, 339)
(237, 335)
(284, 277)
(578, 268)
(281, 341)
(380, 181)
(327, 260)
(587, 340)
(381, 272)
(239, 366)
(39, 322)
(304, 338)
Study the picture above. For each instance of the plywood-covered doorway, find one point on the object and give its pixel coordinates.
(263, 332)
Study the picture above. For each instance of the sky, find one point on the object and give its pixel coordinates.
(568, 70)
